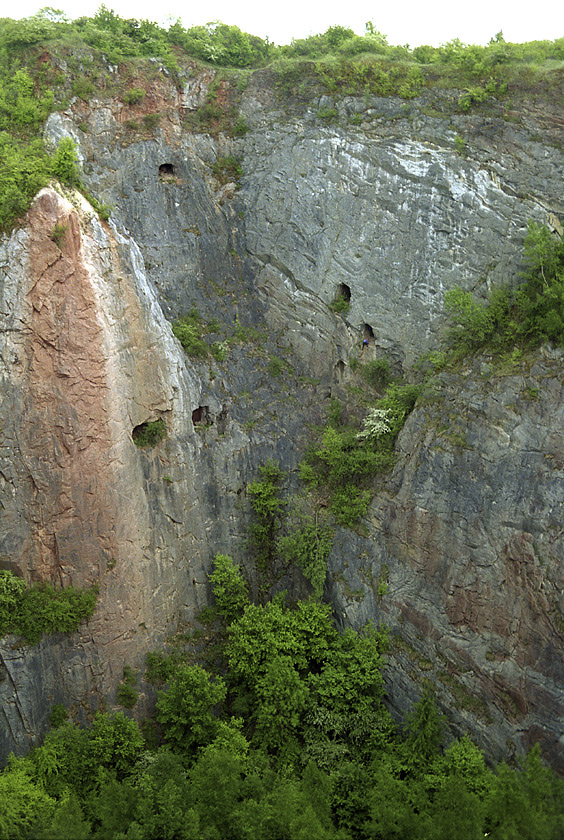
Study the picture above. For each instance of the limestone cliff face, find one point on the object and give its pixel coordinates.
(86, 357)
(466, 531)
(467, 534)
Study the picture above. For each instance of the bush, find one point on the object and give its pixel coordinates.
(151, 121)
(268, 509)
(227, 169)
(65, 163)
(24, 170)
(83, 88)
(220, 350)
(523, 317)
(149, 434)
(229, 589)
(188, 331)
(341, 304)
(134, 96)
(127, 696)
(240, 128)
(376, 372)
(345, 458)
(58, 715)
(275, 366)
(32, 611)
(308, 545)
(58, 234)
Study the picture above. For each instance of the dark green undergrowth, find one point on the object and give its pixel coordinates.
(286, 737)
(514, 317)
(345, 459)
(34, 611)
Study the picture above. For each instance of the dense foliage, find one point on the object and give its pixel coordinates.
(344, 461)
(286, 737)
(286, 532)
(31, 611)
(514, 318)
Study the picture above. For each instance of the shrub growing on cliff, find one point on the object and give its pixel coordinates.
(134, 96)
(229, 589)
(227, 169)
(525, 316)
(345, 458)
(189, 330)
(65, 167)
(24, 170)
(149, 434)
(32, 611)
(376, 372)
(268, 509)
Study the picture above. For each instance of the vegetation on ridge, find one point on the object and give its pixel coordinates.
(46, 59)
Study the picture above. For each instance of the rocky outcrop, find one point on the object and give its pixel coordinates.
(467, 537)
(460, 553)
(87, 356)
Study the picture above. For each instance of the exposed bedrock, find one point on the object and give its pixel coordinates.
(461, 554)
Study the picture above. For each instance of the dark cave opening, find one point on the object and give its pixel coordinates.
(166, 171)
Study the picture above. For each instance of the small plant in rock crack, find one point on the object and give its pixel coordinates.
(58, 234)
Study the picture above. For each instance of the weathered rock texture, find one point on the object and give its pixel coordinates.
(466, 531)
(467, 534)
(86, 357)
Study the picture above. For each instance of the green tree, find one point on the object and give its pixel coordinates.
(307, 544)
(115, 742)
(526, 805)
(423, 733)
(268, 508)
(229, 589)
(67, 822)
(185, 708)
(25, 808)
(65, 163)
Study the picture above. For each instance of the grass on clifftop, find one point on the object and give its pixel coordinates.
(46, 60)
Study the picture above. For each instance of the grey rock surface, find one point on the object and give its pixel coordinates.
(461, 553)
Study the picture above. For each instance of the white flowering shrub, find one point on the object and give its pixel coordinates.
(376, 424)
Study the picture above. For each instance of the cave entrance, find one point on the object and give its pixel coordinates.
(339, 371)
(344, 292)
(368, 332)
(201, 415)
(167, 172)
(148, 434)
(342, 300)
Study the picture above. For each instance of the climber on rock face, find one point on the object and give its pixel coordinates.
(364, 343)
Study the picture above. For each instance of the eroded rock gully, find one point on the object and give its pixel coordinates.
(466, 532)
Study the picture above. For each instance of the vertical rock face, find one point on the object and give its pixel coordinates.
(398, 221)
(87, 357)
(465, 534)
